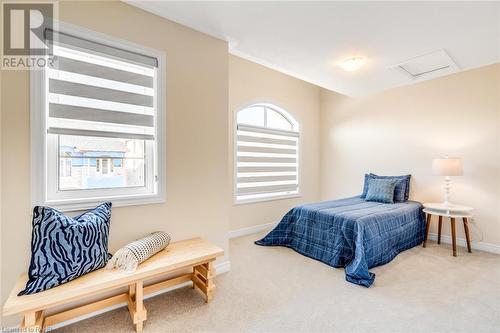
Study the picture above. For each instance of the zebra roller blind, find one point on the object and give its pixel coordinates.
(267, 161)
(99, 90)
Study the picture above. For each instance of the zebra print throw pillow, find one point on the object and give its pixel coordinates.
(64, 248)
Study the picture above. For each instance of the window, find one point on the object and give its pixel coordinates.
(97, 122)
(267, 159)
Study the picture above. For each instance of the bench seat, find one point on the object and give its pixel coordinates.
(196, 253)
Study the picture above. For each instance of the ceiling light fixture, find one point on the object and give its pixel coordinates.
(353, 63)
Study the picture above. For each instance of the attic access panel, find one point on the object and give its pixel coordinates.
(428, 65)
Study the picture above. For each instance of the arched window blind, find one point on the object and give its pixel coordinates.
(267, 154)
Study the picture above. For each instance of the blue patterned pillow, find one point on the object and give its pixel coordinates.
(381, 190)
(365, 185)
(402, 190)
(64, 248)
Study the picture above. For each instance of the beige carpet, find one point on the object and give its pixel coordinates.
(273, 289)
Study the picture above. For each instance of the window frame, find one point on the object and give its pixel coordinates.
(41, 151)
(290, 119)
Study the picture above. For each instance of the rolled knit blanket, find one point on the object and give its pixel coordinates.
(131, 255)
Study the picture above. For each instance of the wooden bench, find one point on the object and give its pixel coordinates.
(193, 253)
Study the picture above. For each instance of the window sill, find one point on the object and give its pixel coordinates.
(251, 201)
(82, 205)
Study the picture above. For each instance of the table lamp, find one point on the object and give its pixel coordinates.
(447, 167)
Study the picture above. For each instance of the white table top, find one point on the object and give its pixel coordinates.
(450, 210)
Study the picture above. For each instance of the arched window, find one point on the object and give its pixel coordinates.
(267, 154)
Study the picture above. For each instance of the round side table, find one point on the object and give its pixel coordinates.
(452, 212)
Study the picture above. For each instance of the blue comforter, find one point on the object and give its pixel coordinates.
(351, 233)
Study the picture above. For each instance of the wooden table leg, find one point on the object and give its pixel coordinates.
(33, 322)
(440, 225)
(210, 282)
(453, 237)
(131, 291)
(203, 279)
(467, 236)
(136, 305)
(427, 227)
(139, 306)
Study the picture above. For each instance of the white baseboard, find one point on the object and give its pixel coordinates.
(220, 268)
(481, 246)
(251, 230)
(223, 267)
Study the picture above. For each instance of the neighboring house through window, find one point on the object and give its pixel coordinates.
(267, 154)
(100, 109)
(65, 165)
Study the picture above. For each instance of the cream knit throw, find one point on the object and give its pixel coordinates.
(131, 255)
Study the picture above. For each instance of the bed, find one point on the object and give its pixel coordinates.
(350, 233)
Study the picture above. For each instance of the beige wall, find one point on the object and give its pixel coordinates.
(250, 83)
(394, 132)
(197, 145)
(399, 131)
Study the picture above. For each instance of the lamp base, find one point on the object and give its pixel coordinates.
(447, 190)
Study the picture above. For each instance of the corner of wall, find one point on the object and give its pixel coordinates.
(329, 102)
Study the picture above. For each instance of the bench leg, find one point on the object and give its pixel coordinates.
(139, 306)
(210, 281)
(203, 279)
(131, 291)
(32, 321)
(136, 305)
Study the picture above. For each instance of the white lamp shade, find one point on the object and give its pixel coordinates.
(451, 166)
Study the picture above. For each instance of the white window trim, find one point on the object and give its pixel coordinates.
(289, 117)
(39, 135)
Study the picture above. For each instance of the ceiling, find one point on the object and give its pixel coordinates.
(307, 40)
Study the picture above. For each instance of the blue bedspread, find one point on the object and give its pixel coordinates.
(350, 233)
